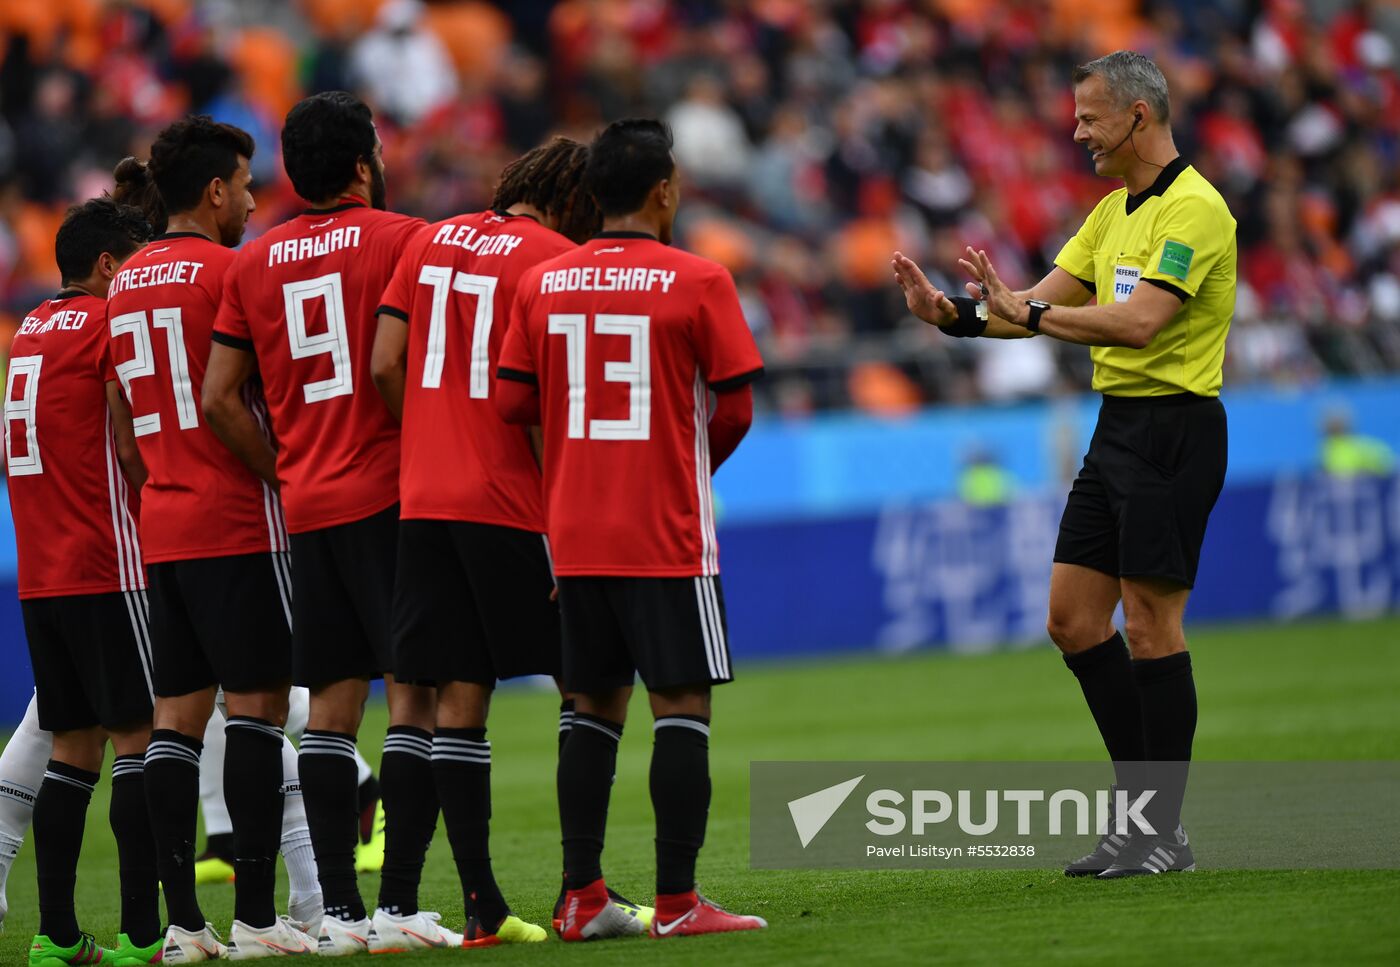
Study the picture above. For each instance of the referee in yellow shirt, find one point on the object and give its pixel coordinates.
(1159, 255)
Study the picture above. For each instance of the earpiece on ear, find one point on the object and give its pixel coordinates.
(1137, 117)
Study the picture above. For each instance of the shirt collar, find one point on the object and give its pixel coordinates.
(501, 212)
(345, 204)
(67, 294)
(1159, 187)
(169, 235)
(646, 235)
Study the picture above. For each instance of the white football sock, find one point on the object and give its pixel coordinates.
(304, 889)
(211, 779)
(22, 765)
(298, 711)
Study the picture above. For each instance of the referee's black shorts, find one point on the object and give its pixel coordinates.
(1150, 479)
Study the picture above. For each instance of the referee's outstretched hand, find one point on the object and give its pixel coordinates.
(1001, 301)
(928, 303)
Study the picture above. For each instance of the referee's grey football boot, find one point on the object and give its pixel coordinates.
(1110, 846)
(1147, 855)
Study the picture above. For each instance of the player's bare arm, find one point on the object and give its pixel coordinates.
(1133, 323)
(128, 454)
(228, 416)
(935, 307)
(389, 362)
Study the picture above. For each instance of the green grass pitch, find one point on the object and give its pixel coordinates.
(1318, 690)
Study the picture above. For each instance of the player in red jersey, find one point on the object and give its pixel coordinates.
(73, 481)
(299, 309)
(618, 346)
(214, 541)
(473, 601)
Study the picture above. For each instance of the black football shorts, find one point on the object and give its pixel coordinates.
(221, 621)
(472, 604)
(342, 595)
(1140, 504)
(92, 659)
(670, 631)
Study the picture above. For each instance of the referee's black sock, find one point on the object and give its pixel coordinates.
(566, 722)
(586, 768)
(253, 792)
(328, 773)
(60, 813)
(172, 798)
(1167, 691)
(1105, 674)
(136, 851)
(680, 795)
(410, 815)
(462, 767)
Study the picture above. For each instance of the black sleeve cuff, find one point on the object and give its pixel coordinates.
(517, 376)
(737, 382)
(391, 311)
(225, 339)
(1181, 294)
(1088, 284)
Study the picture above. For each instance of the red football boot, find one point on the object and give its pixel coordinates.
(688, 914)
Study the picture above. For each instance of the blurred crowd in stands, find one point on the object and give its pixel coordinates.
(816, 136)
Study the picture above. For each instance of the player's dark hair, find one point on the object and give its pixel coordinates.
(96, 226)
(550, 178)
(185, 157)
(625, 161)
(323, 138)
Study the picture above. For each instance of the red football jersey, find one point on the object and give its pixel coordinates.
(454, 288)
(626, 337)
(199, 500)
(75, 515)
(303, 299)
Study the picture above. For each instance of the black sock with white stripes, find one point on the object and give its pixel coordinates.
(172, 798)
(1167, 690)
(680, 795)
(253, 792)
(566, 722)
(586, 768)
(462, 767)
(136, 851)
(60, 812)
(328, 774)
(410, 815)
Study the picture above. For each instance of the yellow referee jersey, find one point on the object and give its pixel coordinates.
(1180, 235)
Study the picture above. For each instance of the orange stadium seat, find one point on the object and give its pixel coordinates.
(267, 62)
(475, 35)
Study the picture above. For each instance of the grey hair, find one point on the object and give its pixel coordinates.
(1129, 76)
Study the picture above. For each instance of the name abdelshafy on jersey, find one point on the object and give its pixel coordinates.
(589, 278)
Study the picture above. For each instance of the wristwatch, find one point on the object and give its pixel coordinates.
(1037, 310)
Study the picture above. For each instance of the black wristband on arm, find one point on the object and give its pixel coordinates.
(969, 323)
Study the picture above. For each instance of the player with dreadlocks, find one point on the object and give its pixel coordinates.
(473, 598)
